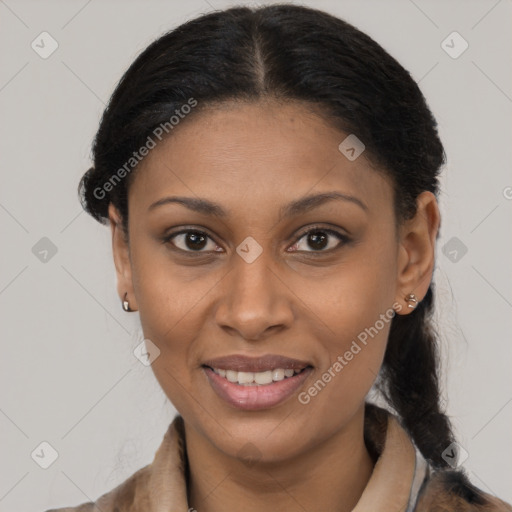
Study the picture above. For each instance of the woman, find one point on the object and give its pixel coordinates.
(270, 178)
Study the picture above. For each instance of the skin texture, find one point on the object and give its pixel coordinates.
(293, 300)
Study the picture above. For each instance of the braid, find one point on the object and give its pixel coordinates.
(409, 381)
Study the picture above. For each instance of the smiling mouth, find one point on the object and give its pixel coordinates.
(261, 378)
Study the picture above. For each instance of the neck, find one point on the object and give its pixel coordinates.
(329, 477)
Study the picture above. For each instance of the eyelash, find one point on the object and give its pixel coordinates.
(341, 237)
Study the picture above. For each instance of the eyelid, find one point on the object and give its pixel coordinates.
(343, 238)
(319, 227)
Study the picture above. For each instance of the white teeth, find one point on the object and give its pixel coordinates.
(231, 375)
(245, 377)
(262, 377)
(256, 378)
(278, 374)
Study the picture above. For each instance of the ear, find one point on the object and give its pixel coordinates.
(121, 253)
(416, 253)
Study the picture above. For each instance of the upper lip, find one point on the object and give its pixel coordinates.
(241, 363)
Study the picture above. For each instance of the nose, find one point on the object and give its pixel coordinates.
(256, 301)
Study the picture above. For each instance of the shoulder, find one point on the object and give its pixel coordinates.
(450, 490)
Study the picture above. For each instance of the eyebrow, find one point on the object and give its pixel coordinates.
(296, 207)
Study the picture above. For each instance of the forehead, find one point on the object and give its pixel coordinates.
(261, 152)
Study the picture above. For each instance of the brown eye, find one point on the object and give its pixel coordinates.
(318, 239)
(191, 241)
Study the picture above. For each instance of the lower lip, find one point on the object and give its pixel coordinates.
(256, 397)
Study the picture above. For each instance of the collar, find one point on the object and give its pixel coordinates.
(394, 484)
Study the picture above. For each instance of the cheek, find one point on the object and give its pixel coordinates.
(170, 323)
(353, 363)
(169, 304)
(358, 313)
(168, 295)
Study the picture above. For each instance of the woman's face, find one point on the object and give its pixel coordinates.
(253, 283)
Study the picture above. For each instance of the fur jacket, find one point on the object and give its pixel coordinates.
(402, 481)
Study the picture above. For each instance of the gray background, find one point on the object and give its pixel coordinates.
(68, 374)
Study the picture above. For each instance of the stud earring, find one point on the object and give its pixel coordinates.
(411, 298)
(126, 304)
